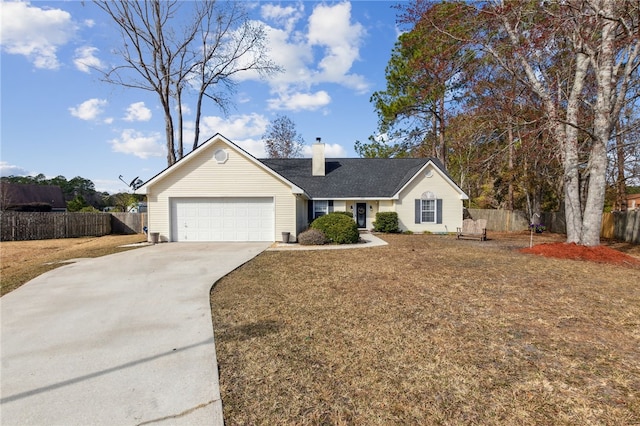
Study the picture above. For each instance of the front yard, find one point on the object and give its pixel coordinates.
(21, 261)
(428, 330)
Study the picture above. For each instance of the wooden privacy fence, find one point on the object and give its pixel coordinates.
(621, 226)
(128, 223)
(20, 226)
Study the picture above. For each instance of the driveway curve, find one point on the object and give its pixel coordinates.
(123, 339)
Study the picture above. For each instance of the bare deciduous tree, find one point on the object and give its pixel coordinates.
(282, 140)
(580, 59)
(601, 43)
(174, 53)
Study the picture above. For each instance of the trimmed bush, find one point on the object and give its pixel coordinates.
(311, 237)
(348, 214)
(338, 228)
(386, 222)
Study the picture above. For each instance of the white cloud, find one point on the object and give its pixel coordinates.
(138, 112)
(300, 101)
(331, 150)
(236, 127)
(254, 147)
(284, 16)
(34, 32)
(331, 28)
(89, 109)
(322, 52)
(139, 144)
(186, 110)
(244, 130)
(85, 59)
(7, 169)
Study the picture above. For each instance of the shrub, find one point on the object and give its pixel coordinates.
(349, 214)
(311, 237)
(386, 222)
(338, 228)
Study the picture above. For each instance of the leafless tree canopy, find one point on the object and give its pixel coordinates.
(282, 140)
(185, 52)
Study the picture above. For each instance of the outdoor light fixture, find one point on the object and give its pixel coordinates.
(370, 207)
(351, 206)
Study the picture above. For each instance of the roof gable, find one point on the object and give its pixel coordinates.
(439, 169)
(202, 148)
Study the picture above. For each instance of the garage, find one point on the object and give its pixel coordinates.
(222, 219)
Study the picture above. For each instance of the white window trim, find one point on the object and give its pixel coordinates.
(321, 206)
(425, 210)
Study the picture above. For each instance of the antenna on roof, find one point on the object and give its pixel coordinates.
(134, 184)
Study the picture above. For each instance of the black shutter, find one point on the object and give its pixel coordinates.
(418, 211)
(310, 211)
(330, 206)
(439, 211)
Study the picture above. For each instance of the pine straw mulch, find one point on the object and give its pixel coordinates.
(429, 330)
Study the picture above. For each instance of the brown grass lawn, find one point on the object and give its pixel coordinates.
(22, 261)
(429, 330)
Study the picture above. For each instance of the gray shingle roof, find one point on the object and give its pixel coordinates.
(16, 194)
(349, 177)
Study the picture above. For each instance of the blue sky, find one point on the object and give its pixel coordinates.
(58, 118)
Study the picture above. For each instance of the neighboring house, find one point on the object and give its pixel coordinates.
(27, 197)
(633, 201)
(219, 192)
(137, 207)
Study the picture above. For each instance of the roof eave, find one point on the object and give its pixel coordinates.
(463, 195)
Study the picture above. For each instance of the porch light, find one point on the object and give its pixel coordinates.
(351, 206)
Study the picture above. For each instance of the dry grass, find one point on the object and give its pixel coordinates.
(24, 260)
(429, 330)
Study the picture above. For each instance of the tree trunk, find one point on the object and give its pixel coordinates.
(180, 123)
(603, 66)
(196, 130)
(171, 151)
(621, 186)
(441, 139)
(510, 165)
(570, 160)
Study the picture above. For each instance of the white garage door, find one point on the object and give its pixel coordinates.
(222, 219)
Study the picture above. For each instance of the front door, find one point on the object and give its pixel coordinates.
(361, 215)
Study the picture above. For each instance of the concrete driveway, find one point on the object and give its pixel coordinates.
(124, 339)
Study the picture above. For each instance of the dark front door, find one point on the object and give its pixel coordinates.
(361, 215)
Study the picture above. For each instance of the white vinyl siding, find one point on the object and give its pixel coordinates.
(445, 194)
(203, 177)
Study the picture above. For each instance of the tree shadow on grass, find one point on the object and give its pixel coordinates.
(248, 331)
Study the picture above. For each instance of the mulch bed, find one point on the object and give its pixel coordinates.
(599, 254)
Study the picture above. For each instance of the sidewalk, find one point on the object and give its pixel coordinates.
(369, 240)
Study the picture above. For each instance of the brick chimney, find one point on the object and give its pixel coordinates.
(317, 161)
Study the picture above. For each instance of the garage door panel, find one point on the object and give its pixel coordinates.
(222, 219)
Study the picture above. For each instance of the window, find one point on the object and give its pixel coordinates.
(320, 208)
(221, 156)
(428, 211)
